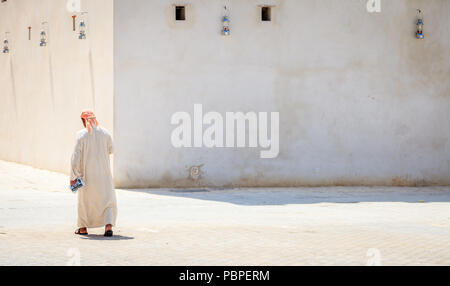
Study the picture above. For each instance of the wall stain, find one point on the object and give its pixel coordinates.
(91, 69)
(13, 87)
(264, 182)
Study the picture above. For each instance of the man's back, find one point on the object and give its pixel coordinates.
(96, 146)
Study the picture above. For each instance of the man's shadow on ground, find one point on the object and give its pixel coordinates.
(102, 237)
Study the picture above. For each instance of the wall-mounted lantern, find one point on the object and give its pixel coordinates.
(419, 33)
(6, 44)
(226, 23)
(82, 31)
(82, 34)
(44, 34)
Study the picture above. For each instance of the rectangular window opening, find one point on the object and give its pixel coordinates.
(266, 13)
(180, 13)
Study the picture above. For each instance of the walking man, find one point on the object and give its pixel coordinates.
(97, 205)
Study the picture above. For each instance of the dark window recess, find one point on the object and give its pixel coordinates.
(266, 14)
(180, 13)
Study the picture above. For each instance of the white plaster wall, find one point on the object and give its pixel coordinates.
(361, 101)
(43, 90)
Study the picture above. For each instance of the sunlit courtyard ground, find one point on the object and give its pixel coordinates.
(299, 226)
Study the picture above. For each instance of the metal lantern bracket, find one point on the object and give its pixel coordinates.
(74, 22)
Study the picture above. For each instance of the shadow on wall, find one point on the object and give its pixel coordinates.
(292, 196)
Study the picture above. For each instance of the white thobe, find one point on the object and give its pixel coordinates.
(97, 205)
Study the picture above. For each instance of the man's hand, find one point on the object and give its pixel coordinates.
(73, 182)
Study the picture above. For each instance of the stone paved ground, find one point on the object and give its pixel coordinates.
(301, 226)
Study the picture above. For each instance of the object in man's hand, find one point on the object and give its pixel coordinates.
(78, 185)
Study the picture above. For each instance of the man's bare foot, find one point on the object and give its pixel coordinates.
(108, 230)
(81, 231)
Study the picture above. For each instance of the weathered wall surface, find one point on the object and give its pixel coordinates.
(43, 90)
(361, 100)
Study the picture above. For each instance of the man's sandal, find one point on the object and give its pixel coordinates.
(80, 233)
(108, 233)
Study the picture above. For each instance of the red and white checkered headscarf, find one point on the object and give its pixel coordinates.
(89, 119)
